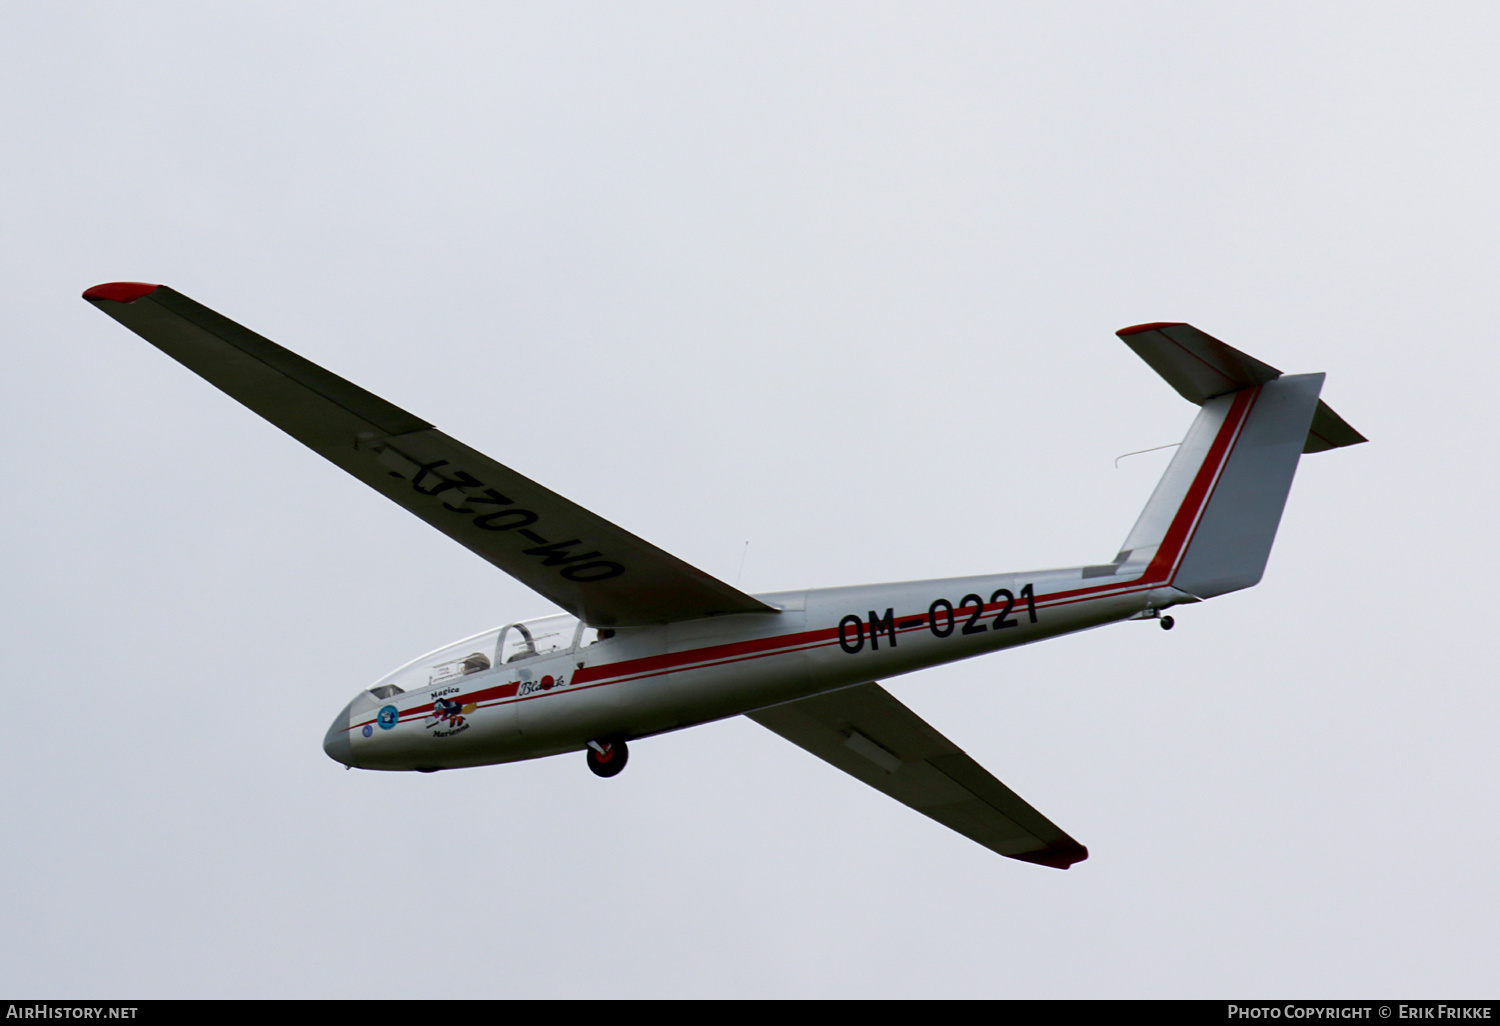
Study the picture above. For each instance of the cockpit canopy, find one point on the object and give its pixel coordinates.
(503, 646)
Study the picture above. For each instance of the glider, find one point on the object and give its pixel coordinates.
(651, 644)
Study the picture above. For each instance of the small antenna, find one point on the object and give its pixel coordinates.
(743, 553)
(1139, 451)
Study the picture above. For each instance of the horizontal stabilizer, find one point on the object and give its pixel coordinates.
(1330, 431)
(1198, 365)
(866, 732)
(1200, 368)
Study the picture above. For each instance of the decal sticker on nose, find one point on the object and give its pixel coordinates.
(449, 717)
(368, 730)
(388, 717)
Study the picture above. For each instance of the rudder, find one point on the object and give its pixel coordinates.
(1231, 542)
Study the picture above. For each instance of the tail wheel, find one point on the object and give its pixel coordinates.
(606, 758)
(1167, 623)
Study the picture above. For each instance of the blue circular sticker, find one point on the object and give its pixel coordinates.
(388, 717)
(368, 730)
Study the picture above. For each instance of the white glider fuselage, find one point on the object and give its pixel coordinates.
(648, 680)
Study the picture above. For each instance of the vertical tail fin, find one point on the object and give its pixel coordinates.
(1209, 526)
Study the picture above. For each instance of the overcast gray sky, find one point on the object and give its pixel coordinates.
(839, 280)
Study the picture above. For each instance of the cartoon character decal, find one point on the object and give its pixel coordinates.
(448, 717)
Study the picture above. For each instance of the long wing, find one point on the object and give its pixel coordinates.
(871, 736)
(599, 572)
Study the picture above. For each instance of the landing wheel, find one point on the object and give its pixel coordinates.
(1167, 623)
(608, 758)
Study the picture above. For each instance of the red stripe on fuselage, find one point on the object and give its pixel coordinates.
(714, 653)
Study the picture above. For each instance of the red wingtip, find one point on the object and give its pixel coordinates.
(1136, 329)
(121, 291)
(1058, 856)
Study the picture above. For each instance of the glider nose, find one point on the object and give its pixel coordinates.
(336, 742)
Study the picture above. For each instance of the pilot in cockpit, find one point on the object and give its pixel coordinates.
(475, 663)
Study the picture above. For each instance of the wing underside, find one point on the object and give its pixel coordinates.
(866, 732)
(599, 572)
